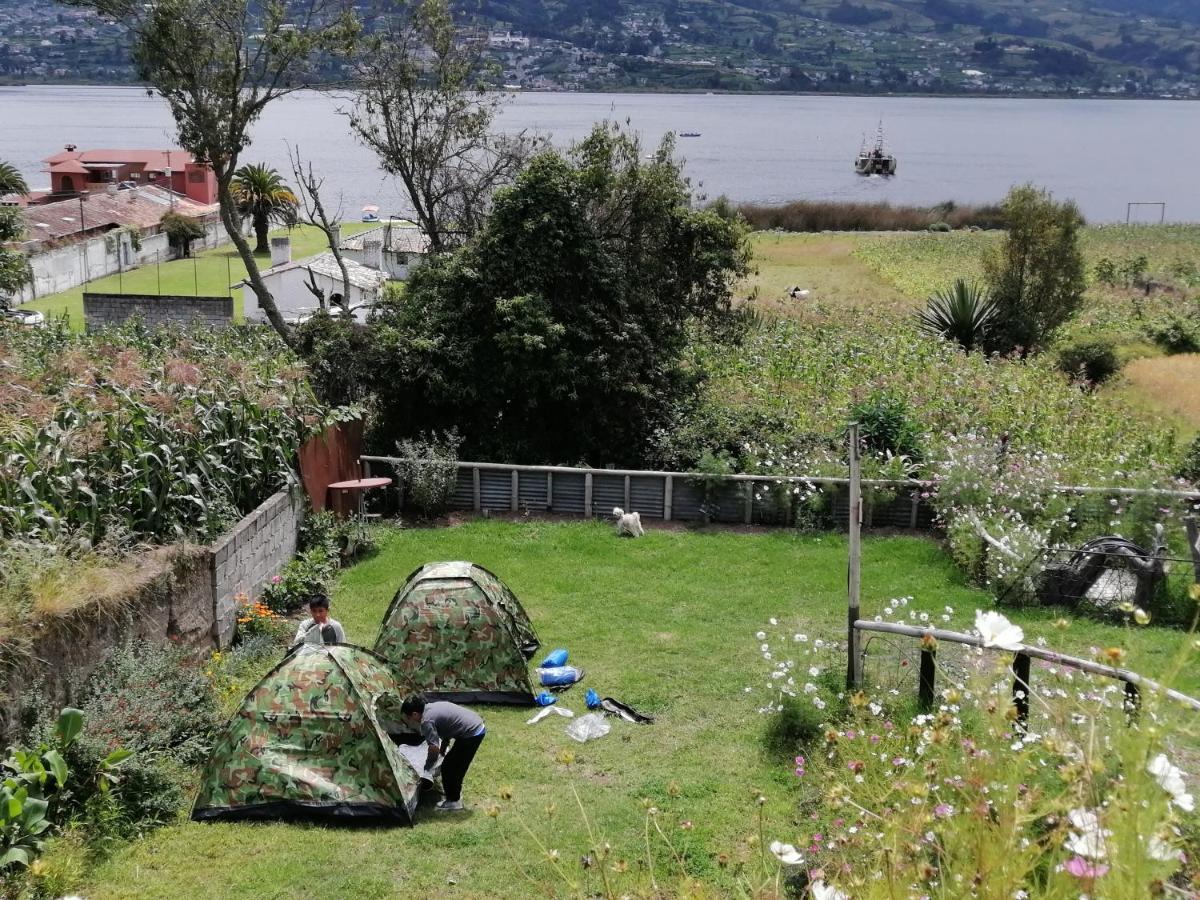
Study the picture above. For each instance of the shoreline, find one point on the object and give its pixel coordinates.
(909, 95)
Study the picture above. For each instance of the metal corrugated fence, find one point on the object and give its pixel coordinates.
(671, 496)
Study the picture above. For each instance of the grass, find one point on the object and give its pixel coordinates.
(209, 273)
(827, 266)
(1154, 384)
(665, 623)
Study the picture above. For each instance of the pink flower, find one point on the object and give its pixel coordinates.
(275, 579)
(943, 810)
(1082, 868)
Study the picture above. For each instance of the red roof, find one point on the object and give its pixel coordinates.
(141, 208)
(150, 160)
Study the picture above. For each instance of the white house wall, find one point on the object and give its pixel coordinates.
(62, 268)
(291, 293)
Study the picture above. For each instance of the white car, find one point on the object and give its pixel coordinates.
(29, 317)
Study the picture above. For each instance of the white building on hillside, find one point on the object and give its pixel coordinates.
(395, 247)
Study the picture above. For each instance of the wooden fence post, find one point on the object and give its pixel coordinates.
(927, 677)
(1133, 701)
(475, 488)
(854, 569)
(668, 498)
(515, 492)
(749, 502)
(587, 495)
(628, 502)
(1193, 536)
(1020, 689)
(549, 491)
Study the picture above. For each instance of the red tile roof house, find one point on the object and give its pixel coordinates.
(70, 242)
(73, 171)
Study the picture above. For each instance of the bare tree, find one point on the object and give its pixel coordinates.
(218, 63)
(315, 214)
(425, 107)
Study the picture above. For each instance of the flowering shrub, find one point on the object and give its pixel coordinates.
(964, 800)
(309, 573)
(256, 618)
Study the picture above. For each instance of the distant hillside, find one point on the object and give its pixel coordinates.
(1046, 47)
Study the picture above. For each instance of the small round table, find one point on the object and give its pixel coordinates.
(360, 486)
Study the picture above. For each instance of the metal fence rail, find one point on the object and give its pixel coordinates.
(693, 496)
(669, 496)
(1134, 683)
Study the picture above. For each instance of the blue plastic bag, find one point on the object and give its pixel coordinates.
(556, 676)
(592, 699)
(555, 659)
(545, 698)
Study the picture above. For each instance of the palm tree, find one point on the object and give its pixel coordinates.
(11, 181)
(261, 194)
(962, 314)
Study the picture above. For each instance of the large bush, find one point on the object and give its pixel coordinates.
(557, 333)
(1037, 275)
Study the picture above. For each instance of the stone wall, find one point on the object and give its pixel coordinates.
(244, 560)
(183, 594)
(113, 309)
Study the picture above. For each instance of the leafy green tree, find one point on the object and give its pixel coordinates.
(262, 195)
(1037, 276)
(181, 231)
(425, 107)
(14, 268)
(558, 332)
(218, 64)
(11, 181)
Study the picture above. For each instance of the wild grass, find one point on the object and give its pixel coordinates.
(821, 215)
(824, 265)
(1164, 386)
(665, 623)
(210, 273)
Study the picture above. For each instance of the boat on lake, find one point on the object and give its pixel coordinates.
(689, 134)
(875, 160)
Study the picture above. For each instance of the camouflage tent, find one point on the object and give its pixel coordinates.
(307, 742)
(455, 632)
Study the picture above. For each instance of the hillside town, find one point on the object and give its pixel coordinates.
(643, 49)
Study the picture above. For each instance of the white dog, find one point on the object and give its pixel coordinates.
(628, 524)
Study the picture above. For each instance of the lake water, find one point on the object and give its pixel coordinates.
(1102, 153)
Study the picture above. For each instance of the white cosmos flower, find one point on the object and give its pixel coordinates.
(761, 635)
(1089, 842)
(1158, 849)
(997, 631)
(1170, 779)
(786, 853)
(823, 891)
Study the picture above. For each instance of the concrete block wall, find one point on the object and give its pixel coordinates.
(113, 309)
(244, 560)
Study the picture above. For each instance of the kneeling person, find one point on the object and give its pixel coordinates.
(442, 722)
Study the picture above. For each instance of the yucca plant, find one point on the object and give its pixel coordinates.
(961, 314)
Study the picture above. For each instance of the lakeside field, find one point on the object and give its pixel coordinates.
(666, 623)
(889, 276)
(209, 273)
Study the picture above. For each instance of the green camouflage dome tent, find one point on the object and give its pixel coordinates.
(307, 742)
(455, 632)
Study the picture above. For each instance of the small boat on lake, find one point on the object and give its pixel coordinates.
(875, 161)
(689, 134)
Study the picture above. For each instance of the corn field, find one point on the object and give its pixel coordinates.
(150, 436)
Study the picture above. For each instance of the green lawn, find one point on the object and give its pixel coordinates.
(665, 623)
(208, 274)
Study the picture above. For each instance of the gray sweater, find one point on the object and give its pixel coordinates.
(444, 721)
